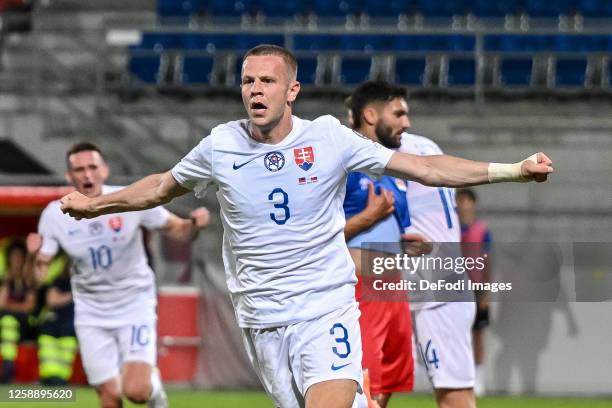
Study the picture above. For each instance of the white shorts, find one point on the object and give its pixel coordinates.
(290, 359)
(105, 350)
(443, 336)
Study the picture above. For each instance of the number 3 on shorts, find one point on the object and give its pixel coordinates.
(341, 338)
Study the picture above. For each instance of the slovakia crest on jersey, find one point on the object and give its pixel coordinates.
(304, 157)
(116, 223)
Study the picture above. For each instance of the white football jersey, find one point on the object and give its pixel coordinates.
(281, 206)
(111, 279)
(432, 209)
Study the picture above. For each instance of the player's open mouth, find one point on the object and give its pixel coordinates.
(88, 185)
(258, 108)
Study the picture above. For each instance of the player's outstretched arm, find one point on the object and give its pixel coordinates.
(148, 192)
(449, 171)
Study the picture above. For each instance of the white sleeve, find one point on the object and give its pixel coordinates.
(194, 171)
(359, 153)
(154, 218)
(47, 227)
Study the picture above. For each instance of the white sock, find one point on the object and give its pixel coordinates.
(156, 384)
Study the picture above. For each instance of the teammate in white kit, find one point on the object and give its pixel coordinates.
(280, 182)
(443, 330)
(113, 286)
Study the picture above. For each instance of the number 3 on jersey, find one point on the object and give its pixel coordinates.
(280, 200)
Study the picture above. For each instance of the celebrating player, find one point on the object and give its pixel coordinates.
(373, 223)
(113, 286)
(281, 183)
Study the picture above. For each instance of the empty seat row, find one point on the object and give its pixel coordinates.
(447, 70)
(211, 42)
(388, 8)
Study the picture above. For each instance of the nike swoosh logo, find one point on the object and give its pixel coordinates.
(237, 166)
(336, 368)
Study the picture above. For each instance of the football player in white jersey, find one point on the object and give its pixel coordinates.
(280, 181)
(443, 330)
(113, 286)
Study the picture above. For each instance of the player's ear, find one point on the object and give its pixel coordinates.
(105, 171)
(370, 115)
(294, 89)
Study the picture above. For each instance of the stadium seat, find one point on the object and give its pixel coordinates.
(389, 8)
(355, 70)
(244, 42)
(147, 68)
(441, 8)
(516, 72)
(494, 8)
(336, 9)
(549, 8)
(595, 8)
(160, 41)
(226, 8)
(518, 43)
(307, 70)
(571, 72)
(411, 71)
(177, 8)
(581, 43)
(280, 8)
(316, 42)
(461, 72)
(434, 42)
(236, 42)
(371, 42)
(197, 70)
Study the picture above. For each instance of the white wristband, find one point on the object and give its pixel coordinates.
(503, 172)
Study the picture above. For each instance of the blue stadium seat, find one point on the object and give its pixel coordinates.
(197, 69)
(516, 71)
(160, 41)
(336, 9)
(571, 72)
(145, 67)
(518, 43)
(389, 8)
(280, 8)
(177, 8)
(307, 70)
(434, 42)
(410, 71)
(226, 8)
(371, 42)
(581, 43)
(441, 8)
(237, 42)
(494, 8)
(355, 70)
(549, 8)
(316, 42)
(595, 8)
(461, 72)
(246, 42)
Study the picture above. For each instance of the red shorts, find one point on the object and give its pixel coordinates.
(386, 337)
